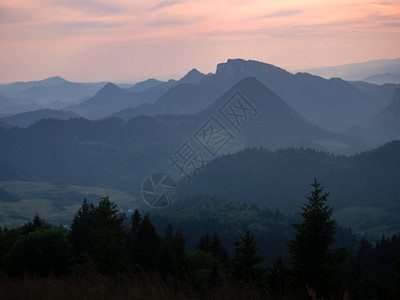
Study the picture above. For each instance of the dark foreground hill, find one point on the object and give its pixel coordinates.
(276, 179)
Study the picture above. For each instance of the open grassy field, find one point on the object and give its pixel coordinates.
(56, 204)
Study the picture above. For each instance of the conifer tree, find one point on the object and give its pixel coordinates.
(145, 250)
(204, 243)
(246, 259)
(218, 250)
(313, 262)
(107, 250)
(80, 229)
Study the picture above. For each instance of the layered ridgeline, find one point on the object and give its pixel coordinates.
(53, 92)
(383, 126)
(121, 154)
(109, 99)
(333, 104)
(184, 98)
(364, 188)
(26, 119)
(375, 71)
(256, 116)
(172, 97)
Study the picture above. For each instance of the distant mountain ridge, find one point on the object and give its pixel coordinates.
(52, 92)
(334, 105)
(28, 118)
(331, 104)
(193, 76)
(359, 71)
(277, 124)
(383, 78)
(109, 99)
(183, 98)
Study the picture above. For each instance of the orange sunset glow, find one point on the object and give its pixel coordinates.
(93, 40)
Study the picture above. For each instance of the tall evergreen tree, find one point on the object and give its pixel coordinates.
(145, 250)
(246, 259)
(218, 250)
(107, 250)
(80, 229)
(204, 243)
(313, 262)
(136, 220)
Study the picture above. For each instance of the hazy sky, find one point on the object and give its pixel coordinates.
(127, 40)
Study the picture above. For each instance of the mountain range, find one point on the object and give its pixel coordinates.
(333, 104)
(371, 71)
(119, 153)
(142, 129)
(53, 92)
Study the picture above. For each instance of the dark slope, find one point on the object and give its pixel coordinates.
(12, 106)
(107, 101)
(332, 104)
(382, 94)
(385, 125)
(109, 152)
(280, 179)
(175, 97)
(184, 98)
(28, 118)
(271, 122)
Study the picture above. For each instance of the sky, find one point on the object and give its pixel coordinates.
(131, 40)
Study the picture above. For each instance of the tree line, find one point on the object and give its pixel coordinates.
(98, 243)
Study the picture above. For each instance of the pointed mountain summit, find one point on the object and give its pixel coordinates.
(192, 76)
(110, 90)
(254, 114)
(332, 104)
(108, 100)
(145, 85)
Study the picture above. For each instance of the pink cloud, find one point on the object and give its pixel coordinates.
(80, 30)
